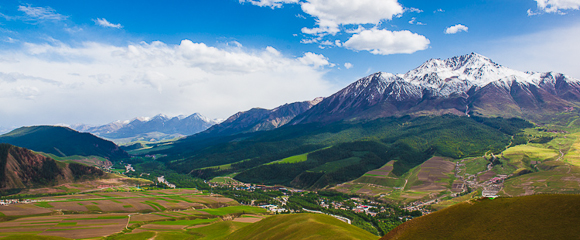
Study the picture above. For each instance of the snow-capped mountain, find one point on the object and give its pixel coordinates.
(458, 85)
(151, 128)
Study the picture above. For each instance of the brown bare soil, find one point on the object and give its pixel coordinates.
(23, 209)
(486, 176)
(145, 217)
(247, 219)
(383, 171)
(432, 172)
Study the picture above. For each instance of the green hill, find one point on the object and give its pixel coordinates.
(528, 217)
(300, 226)
(62, 142)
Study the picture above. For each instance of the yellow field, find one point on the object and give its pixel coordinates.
(533, 153)
(573, 155)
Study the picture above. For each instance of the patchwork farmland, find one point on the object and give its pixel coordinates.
(176, 213)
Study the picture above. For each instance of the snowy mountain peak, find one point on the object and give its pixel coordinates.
(161, 117)
(198, 116)
(456, 74)
(141, 119)
(456, 85)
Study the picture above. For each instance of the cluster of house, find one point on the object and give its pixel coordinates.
(162, 180)
(129, 168)
(237, 185)
(419, 206)
(359, 207)
(273, 208)
(6, 202)
(499, 179)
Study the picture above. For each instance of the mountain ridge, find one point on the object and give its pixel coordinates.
(260, 119)
(458, 85)
(151, 128)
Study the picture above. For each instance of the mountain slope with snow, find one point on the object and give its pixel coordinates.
(156, 128)
(468, 84)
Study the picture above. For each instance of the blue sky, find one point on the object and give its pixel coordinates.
(99, 61)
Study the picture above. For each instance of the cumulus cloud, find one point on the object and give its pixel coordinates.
(316, 60)
(269, 3)
(555, 6)
(348, 65)
(386, 42)
(104, 23)
(41, 13)
(455, 29)
(330, 14)
(100, 83)
(336, 16)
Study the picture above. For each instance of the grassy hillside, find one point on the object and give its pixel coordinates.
(62, 142)
(300, 226)
(314, 156)
(528, 217)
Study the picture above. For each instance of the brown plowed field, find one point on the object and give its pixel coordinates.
(432, 172)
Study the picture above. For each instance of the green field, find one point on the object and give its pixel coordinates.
(293, 159)
(233, 209)
(217, 230)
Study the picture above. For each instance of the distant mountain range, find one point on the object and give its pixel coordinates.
(62, 142)
(462, 85)
(259, 119)
(156, 128)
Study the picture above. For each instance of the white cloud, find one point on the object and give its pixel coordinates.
(455, 29)
(540, 52)
(357, 30)
(330, 14)
(414, 21)
(41, 13)
(348, 65)
(554, 6)
(104, 23)
(316, 60)
(269, 3)
(416, 10)
(300, 16)
(386, 42)
(335, 16)
(100, 83)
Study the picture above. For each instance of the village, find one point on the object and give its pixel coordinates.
(324, 204)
